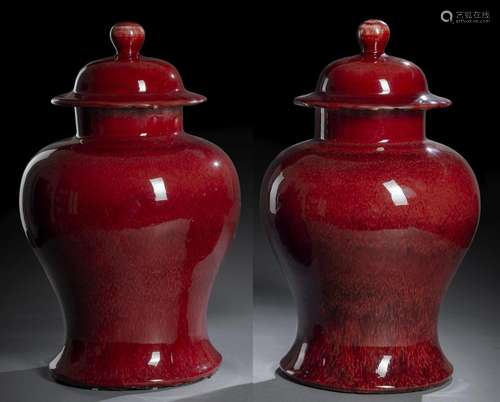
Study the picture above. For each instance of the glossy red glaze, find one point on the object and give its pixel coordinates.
(370, 221)
(128, 79)
(130, 220)
(372, 80)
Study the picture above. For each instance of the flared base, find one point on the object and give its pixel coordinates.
(122, 365)
(359, 369)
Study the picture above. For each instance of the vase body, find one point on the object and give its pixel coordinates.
(370, 221)
(130, 220)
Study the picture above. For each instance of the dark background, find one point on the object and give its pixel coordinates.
(250, 60)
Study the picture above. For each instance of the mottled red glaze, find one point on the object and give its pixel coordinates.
(370, 221)
(130, 220)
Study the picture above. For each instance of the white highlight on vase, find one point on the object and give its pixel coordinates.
(322, 114)
(397, 194)
(159, 188)
(273, 196)
(142, 85)
(155, 359)
(383, 366)
(300, 357)
(384, 86)
(55, 360)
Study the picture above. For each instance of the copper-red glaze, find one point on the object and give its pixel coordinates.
(130, 219)
(370, 221)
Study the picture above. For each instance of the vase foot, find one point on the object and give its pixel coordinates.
(359, 369)
(121, 365)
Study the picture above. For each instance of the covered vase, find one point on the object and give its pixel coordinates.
(130, 219)
(370, 220)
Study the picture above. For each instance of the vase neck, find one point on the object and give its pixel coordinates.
(126, 123)
(369, 127)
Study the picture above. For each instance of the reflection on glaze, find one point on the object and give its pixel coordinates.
(142, 85)
(273, 197)
(397, 194)
(384, 86)
(159, 189)
(155, 358)
(383, 366)
(300, 357)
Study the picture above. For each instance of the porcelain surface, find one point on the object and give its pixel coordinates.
(131, 219)
(369, 220)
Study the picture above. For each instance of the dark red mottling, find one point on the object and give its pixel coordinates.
(130, 220)
(370, 221)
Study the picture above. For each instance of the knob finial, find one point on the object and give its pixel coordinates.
(127, 38)
(373, 36)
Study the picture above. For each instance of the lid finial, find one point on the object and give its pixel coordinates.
(127, 38)
(373, 36)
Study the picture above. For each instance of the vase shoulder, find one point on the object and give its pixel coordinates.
(103, 184)
(424, 185)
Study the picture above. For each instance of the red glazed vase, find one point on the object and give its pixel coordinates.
(130, 219)
(370, 221)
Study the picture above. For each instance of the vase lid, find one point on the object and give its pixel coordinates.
(128, 79)
(372, 80)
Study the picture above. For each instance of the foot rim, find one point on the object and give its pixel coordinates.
(96, 367)
(145, 385)
(349, 390)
